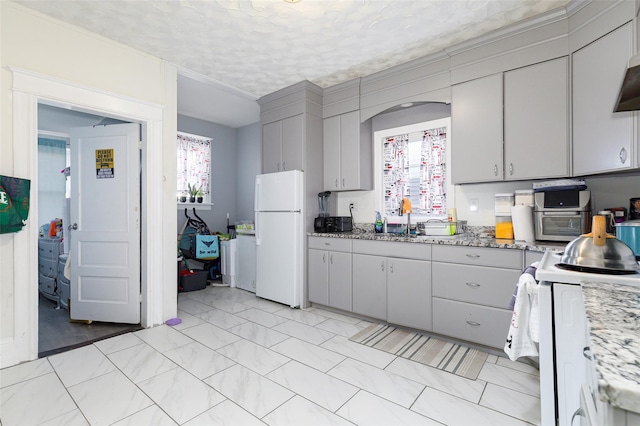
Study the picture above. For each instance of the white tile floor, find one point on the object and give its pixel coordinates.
(236, 359)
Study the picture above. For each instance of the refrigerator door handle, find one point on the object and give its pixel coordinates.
(255, 196)
(257, 227)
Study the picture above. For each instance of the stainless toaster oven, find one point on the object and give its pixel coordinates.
(562, 215)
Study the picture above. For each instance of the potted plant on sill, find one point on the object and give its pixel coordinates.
(195, 193)
(193, 190)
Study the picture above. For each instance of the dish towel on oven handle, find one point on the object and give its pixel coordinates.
(523, 330)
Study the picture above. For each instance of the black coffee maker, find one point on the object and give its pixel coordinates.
(320, 223)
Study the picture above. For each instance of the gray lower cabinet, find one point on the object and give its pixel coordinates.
(392, 282)
(318, 270)
(409, 293)
(370, 285)
(456, 291)
(473, 323)
(330, 272)
(472, 288)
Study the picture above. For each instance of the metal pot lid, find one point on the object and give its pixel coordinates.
(600, 251)
(635, 222)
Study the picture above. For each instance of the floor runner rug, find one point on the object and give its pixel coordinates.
(440, 354)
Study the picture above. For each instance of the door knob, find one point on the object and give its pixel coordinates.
(74, 226)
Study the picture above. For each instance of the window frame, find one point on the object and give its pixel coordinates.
(378, 140)
(207, 197)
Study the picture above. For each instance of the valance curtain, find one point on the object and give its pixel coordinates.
(194, 162)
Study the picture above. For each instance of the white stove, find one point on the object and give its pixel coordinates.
(563, 336)
(549, 272)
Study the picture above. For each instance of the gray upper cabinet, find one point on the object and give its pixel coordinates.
(282, 145)
(536, 121)
(530, 148)
(347, 153)
(603, 140)
(347, 144)
(476, 127)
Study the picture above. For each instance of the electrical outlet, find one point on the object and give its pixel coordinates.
(353, 206)
(474, 205)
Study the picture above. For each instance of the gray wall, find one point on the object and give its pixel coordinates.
(224, 160)
(249, 165)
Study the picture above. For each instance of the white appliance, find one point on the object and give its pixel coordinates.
(564, 362)
(279, 227)
(246, 261)
(229, 262)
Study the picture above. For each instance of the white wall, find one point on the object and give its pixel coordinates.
(43, 45)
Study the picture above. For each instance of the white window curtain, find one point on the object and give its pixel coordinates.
(415, 168)
(194, 162)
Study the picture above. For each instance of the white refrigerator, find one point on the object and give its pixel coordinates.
(279, 227)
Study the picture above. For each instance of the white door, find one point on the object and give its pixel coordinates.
(105, 221)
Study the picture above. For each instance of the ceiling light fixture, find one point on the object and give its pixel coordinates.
(292, 1)
(406, 104)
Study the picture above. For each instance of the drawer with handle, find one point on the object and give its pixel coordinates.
(479, 324)
(474, 284)
(481, 256)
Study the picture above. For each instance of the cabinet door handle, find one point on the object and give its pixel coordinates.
(284, 166)
(623, 155)
(278, 167)
(331, 259)
(473, 285)
(495, 170)
(473, 256)
(343, 183)
(511, 169)
(324, 258)
(473, 323)
(336, 183)
(382, 266)
(586, 352)
(391, 268)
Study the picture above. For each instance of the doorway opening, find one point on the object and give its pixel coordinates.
(157, 257)
(57, 332)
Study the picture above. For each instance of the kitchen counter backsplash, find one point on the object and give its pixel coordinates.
(475, 236)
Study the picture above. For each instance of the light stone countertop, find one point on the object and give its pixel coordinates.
(471, 239)
(613, 316)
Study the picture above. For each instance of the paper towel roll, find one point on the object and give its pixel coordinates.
(522, 217)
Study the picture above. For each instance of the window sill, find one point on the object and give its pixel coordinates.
(198, 206)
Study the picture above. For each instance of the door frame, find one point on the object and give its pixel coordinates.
(29, 89)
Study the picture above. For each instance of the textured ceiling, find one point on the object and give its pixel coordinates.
(261, 46)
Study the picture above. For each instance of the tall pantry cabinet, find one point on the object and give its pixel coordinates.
(291, 121)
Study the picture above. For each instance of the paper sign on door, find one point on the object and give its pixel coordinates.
(104, 163)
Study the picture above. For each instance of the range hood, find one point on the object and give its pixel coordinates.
(629, 97)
